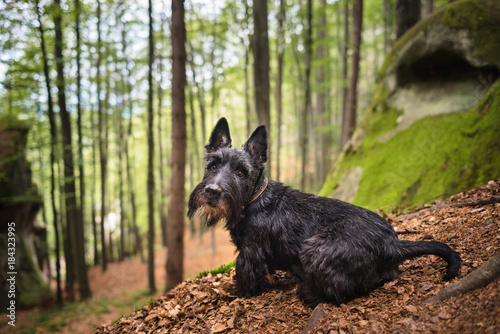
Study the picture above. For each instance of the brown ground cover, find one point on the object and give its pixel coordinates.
(205, 305)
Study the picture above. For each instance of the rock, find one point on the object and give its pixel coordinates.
(428, 123)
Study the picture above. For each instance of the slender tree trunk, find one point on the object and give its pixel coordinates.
(214, 99)
(195, 156)
(307, 98)
(175, 233)
(93, 187)
(261, 69)
(53, 140)
(322, 141)
(43, 257)
(247, 93)
(201, 103)
(128, 158)
(429, 7)
(345, 68)
(120, 140)
(82, 278)
(388, 16)
(102, 148)
(75, 225)
(408, 12)
(201, 99)
(163, 183)
(350, 114)
(150, 182)
(280, 45)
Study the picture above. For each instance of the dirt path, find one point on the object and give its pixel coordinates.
(119, 283)
(131, 275)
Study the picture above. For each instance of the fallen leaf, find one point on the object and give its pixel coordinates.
(411, 308)
(219, 328)
(444, 315)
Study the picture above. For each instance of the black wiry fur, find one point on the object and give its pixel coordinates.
(337, 251)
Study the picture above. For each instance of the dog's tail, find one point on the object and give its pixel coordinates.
(407, 249)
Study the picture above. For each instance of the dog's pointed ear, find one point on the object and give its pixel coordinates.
(256, 145)
(220, 136)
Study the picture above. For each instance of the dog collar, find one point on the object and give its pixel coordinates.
(262, 187)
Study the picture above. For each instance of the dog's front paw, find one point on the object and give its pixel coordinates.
(235, 291)
(239, 292)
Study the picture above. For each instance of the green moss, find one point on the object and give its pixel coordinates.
(480, 17)
(379, 98)
(483, 24)
(435, 155)
(224, 269)
(466, 14)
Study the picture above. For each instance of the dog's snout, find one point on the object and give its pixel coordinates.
(213, 190)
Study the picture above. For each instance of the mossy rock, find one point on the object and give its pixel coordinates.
(433, 122)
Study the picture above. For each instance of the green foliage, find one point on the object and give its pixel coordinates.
(223, 269)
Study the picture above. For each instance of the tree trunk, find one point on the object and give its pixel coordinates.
(201, 103)
(350, 114)
(407, 14)
(247, 44)
(80, 230)
(280, 45)
(388, 8)
(79, 111)
(128, 159)
(175, 233)
(150, 181)
(322, 140)
(194, 156)
(102, 148)
(93, 200)
(261, 69)
(307, 98)
(345, 65)
(163, 183)
(429, 7)
(67, 196)
(74, 223)
(214, 99)
(120, 143)
(53, 140)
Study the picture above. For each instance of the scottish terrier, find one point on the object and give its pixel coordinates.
(337, 251)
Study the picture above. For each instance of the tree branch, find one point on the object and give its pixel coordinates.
(480, 202)
(482, 276)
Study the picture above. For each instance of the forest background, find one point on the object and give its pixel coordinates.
(92, 81)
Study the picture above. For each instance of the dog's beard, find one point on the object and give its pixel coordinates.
(225, 212)
(209, 215)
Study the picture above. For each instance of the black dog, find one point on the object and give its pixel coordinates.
(338, 251)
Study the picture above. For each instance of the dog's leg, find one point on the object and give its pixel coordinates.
(250, 278)
(310, 293)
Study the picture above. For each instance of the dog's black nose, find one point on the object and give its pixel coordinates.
(213, 190)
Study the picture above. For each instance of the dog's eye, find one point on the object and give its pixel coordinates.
(240, 174)
(213, 168)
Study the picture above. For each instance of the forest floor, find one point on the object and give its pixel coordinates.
(206, 306)
(120, 290)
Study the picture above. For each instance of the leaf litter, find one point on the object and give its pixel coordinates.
(205, 305)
